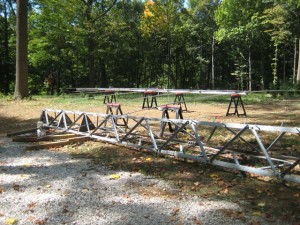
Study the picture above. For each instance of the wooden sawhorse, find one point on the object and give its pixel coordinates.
(165, 114)
(179, 99)
(147, 95)
(107, 94)
(237, 101)
(118, 111)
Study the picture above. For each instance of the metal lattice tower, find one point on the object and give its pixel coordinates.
(244, 147)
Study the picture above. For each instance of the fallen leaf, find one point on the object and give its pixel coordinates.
(180, 223)
(214, 175)
(225, 191)
(175, 211)
(26, 165)
(255, 222)
(66, 192)
(85, 190)
(1, 214)
(31, 205)
(16, 187)
(234, 213)
(11, 221)
(31, 219)
(115, 176)
(48, 186)
(2, 190)
(24, 175)
(125, 196)
(198, 222)
(36, 221)
(261, 204)
(220, 183)
(256, 213)
(148, 159)
(40, 222)
(173, 218)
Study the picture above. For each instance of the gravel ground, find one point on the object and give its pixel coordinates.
(51, 187)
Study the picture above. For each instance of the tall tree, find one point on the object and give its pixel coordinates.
(298, 71)
(158, 27)
(94, 10)
(239, 23)
(204, 11)
(4, 47)
(21, 86)
(275, 19)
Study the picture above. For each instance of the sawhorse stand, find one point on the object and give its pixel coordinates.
(165, 114)
(147, 95)
(107, 94)
(118, 111)
(179, 99)
(237, 101)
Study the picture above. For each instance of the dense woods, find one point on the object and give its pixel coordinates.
(203, 44)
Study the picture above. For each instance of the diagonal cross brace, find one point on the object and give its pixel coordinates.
(290, 168)
(132, 129)
(229, 143)
(174, 135)
(264, 151)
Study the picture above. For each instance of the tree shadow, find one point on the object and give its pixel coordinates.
(12, 124)
(51, 187)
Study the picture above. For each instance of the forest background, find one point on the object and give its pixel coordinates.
(198, 44)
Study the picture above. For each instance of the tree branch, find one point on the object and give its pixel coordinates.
(106, 11)
(10, 6)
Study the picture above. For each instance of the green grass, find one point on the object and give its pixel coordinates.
(136, 98)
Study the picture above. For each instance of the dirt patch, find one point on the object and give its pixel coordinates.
(15, 115)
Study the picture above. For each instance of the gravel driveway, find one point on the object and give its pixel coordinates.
(51, 187)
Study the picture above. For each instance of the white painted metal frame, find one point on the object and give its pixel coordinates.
(161, 90)
(245, 150)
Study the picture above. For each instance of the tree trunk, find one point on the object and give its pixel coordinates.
(91, 60)
(90, 43)
(103, 75)
(298, 72)
(284, 68)
(250, 70)
(6, 54)
(58, 81)
(213, 63)
(169, 59)
(295, 61)
(21, 87)
(275, 74)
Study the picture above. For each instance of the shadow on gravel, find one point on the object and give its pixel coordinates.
(9, 124)
(46, 187)
(260, 195)
(82, 191)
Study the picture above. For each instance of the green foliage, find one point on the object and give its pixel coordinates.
(161, 43)
(290, 90)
